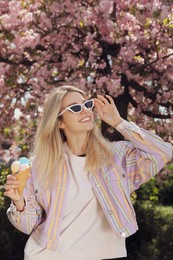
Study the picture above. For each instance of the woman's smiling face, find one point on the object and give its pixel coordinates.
(76, 122)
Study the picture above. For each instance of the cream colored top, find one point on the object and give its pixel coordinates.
(85, 232)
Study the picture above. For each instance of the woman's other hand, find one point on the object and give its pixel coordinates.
(11, 191)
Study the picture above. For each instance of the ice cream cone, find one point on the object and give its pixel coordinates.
(22, 177)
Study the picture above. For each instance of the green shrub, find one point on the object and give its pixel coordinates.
(155, 236)
(12, 241)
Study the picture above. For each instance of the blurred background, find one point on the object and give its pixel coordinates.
(121, 48)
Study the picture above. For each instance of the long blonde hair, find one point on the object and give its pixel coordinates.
(49, 140)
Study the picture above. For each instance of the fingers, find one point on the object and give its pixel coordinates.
(9, 193)
(106, 101)
(110, 99)
(11, 187)
(98, 103)
(11, 183)
(99, 109)
(103, 99)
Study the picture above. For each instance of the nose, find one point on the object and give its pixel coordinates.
(84, 109)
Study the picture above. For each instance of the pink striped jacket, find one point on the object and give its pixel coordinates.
(136, 160)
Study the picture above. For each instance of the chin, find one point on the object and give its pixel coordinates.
(88, 127)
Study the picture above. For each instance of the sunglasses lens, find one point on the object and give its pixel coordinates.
(89, 104)
(76, 108)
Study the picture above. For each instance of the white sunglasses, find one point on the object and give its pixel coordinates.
(77, 108)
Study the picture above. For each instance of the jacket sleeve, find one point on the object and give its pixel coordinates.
(32, 215)
(145, 153)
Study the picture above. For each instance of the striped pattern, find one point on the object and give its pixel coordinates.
(135, 162)
(55, 216)
(110, 202)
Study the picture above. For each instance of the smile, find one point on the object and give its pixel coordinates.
(86, 119)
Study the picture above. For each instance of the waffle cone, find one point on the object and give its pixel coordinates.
(22, 178)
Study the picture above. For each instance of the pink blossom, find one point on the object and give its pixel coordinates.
(27, 18)
(99, 48)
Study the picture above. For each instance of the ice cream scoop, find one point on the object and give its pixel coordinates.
(15, 166)
(21, 169)
(24, 160)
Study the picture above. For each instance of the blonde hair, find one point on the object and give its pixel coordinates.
(49, 140)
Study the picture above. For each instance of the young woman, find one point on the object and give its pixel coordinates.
(76, 203)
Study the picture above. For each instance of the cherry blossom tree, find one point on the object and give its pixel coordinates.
(121, 48)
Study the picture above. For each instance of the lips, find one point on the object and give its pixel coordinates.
(86, 119)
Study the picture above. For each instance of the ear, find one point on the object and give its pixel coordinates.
(61, 125)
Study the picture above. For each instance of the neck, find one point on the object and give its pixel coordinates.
(77, 145)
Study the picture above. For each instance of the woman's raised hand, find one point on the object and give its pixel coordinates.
(107, 110)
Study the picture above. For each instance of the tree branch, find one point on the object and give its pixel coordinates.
(146, 112)
(24, 62)
(154, 61)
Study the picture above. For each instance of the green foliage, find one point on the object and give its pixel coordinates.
(166, 190)
(6, 132)
(154, 240)
(4, 170)
(149, 192)
(155, 235)
(157, 190)
(12, 241)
